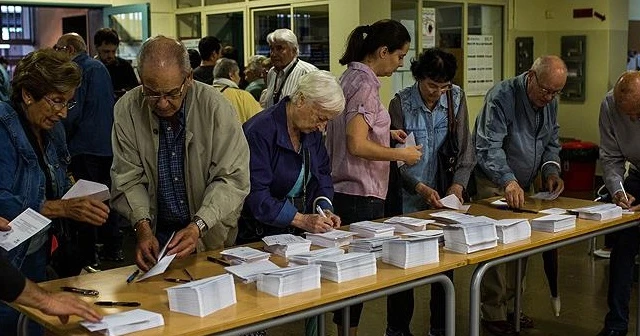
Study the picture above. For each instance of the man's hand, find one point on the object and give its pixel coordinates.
(4, 225)
(554, 184)
(86, 210)
(147, 248)
(334, 218)
(312, 223)
(625, 202)
(514, 195)
(64, 304)
(398, 135)
(184, 242)
(429, 195)
(456, 189)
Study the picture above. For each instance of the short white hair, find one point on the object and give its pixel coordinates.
(322, 88)
(255, 63)
(224, 67)
(284, 35)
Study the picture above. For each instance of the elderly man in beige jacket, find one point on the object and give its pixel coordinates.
(181, 162)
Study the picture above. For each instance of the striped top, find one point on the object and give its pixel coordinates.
(291, 83)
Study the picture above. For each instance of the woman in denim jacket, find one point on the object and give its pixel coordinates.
(33, 164)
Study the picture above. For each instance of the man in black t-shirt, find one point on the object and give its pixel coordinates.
(123, 77)
(210, 51)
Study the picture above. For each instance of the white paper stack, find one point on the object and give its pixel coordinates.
(411, 251)
(369, 229)
(312, 257)
(467, 233)
(345, 267)
(333, 238)
(286, 244)
(195, 298)
(370, 245)
(553, 223)
(248, 272)
(453, 217)
(290, 280)
(243, 254)
(513, 230)
(126, 322)
(599, 212)
(408, 224)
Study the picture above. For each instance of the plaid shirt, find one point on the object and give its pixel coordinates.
(173, 205)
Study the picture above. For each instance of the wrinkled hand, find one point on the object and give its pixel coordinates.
(312, 223)
(147, 248)
(456, 189)
(620, 200)
(4, 225)
(514, 195)
(398, 135)
(184, 242)
(86, 210)
(412, 154)
(555, 184)
(429, 195)
(334, 218)
(63, 305)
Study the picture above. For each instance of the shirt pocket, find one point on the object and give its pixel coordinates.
(421, 135)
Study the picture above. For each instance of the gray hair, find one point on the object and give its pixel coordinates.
(322, 88)
(225, 66)
(284, 35)
(255, 62)
(163, 50)
(547, 65)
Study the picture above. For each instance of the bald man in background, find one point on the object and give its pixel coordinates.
(619, 138)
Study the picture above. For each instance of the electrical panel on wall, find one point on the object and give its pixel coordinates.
(574, 50)
(524, 54)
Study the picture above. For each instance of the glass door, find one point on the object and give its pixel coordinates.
(311, 26)
(264, 22)
(229, 29)
(132, 24)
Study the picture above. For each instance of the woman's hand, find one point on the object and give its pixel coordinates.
(312, 223)
(398, 135)
(412, 154)
(429, 195)
(81, 209)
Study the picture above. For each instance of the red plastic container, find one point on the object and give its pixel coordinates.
(579, 165)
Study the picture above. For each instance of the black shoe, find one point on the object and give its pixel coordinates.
(499, 328)
(609, 332)
(525, 321)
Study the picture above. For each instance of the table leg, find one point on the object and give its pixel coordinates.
(321, 331)
(517, 301)
(450, 307)
(346, 320)
(474, 299)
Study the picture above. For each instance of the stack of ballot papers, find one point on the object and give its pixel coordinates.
(290, 280)
(408, 224)
(125, 322)
(345, 267)
(94, 190)
(453, 202)
(467, 233)
(163, 263)
(195, 297)
(248, 272)
(333, 238)
(553, 223)
(453, 217)
(411, 251)
(311, 257)
(368, 229)
(243, 254)
(286, 244)
(599, 212)
(512, 230)
(370, 245)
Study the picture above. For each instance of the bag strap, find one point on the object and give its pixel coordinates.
(451, 118)
(306, 159)
(224, 88)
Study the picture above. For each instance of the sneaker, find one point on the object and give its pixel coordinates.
(603, 253)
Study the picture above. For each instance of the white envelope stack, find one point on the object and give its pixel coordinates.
(467, 233)
(369, 229)
(599, 212)
(370, 245)
(411, 251)
(408, 224)
(286, 244)
(553, 223)
(243, 254)
(333, 238)
(125, 323)
(513, 230)
(345, 267)
(248, 272)
(312, 257)
(196, 297)
(290, 280)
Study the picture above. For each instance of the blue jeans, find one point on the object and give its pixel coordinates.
(622, 265)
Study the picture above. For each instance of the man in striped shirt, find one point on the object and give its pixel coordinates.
(287, 69)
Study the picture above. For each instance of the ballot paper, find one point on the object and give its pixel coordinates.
(248, 272)
(311, 257)
(603, 211)
(333, 238)
(125, 322)
(409, 141)
(290, 280)
(286, 244)
(94, 190)
(404, 224)
(162, 264)
(453, 202)
(195, 297)
(23, 227)
(512, 230)
(546, 196)
(243, 254)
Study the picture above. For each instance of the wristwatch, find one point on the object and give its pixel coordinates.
(202, 226)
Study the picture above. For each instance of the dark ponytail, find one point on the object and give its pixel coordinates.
(365, 40)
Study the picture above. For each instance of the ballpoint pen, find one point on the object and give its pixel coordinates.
(624, 192)
(188, 274)
(218, 261)
(320, 211)
(117, 303)
(81, 291)
(133, 276)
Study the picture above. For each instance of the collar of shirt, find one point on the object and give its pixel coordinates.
(367, 70)
(286, 69)
(225, 82)
(177, 119)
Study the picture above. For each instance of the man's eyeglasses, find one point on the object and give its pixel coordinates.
(60, 106)
(59, 48)
(433, 86)
(543, 90)
(171, 95)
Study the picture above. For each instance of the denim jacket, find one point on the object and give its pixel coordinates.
(22, 182)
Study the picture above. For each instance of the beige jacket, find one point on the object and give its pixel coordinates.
(216, 162)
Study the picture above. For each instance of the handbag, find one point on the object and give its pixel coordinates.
(448, 152)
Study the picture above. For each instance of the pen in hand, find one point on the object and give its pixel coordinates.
(624, 192)
(320, 211)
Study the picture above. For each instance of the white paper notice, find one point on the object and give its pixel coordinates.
(162, 264)
(409, 141)
(23, 227)
(94, 190)
(452, 202)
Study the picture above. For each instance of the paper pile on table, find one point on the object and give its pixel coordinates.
(466, 233)
(195, 297)
(599, 212)
(408, 224)
(126, 322)
(369, 229)
(345, 267)
(370, 245)
(553, 223)
(290, 280)
(333, 238)
(248, 272)
(286, 244)
(313, 256)
(513, 230)
(411, 251)
(243, 254)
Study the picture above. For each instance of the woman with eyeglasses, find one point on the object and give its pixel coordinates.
(423, 109)
(33, 164)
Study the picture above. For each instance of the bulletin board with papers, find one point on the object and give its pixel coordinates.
(479, 64)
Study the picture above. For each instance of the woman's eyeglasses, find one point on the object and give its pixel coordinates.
(60, 106)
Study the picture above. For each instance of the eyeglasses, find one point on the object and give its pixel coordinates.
(60, 106)
(171, 95)
(58, 48)
(433, 86)
(543, 90)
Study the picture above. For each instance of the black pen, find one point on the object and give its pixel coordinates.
(88, 292)
(188, 274)
(133, 276)
(218, 261)
(117, 303)
(502, 207)
(178, 280)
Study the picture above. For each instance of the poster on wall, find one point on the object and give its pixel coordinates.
(428, 27)
(479, 64)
